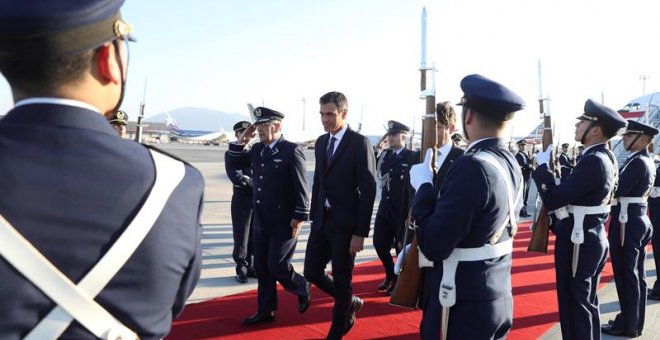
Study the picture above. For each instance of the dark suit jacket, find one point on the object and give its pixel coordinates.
(348, 183)
(279, 184)
(70, 185)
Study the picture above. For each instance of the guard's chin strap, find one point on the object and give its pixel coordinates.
(116, 43)
(591, 124)
(463, 114)
(637, 135)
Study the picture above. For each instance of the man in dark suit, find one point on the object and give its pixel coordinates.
(630, 230)
(526, 168)
(116, 219)
(582, 196)
(241, 214)
(392, 166)
(565, 162)
(467, 230)
(343, 197)
(448, 152)
(279, 194)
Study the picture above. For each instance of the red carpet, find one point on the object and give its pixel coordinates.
(535, 307)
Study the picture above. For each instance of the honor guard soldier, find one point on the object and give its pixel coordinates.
(580, 152)
(654, 214)
(526, 168)
(565, 162)
(392, 168)
(118, 122)
(457, 139)
(630, 230)
(581, 206)
(241, 214)
(100, 237)
(279, 195)
(468, 230)
(448, 152)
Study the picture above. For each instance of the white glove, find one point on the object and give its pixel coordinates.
(421, 173)
(544, 157)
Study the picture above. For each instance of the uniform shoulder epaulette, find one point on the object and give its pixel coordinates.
(472, 152)
(151, 147)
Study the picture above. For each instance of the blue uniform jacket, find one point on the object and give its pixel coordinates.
(473, 204)
(590, 184)
(70, 185)
(279, 184)
(396, 168)
(240, 178)
(636, 180)
(525, 164)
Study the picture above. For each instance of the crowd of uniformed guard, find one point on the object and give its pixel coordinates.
(90, 250)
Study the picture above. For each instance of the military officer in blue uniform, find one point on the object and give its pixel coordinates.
(526, 168)
(468, 230)
(279, 195)
(118, 121)
(392, 167)
(241, 214)
(630, 230)
(579, 155)
(654, 214)
(565, 162)
(581, 206)
(79, 194)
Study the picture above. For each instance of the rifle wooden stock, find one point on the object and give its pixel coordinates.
(408, 285)
(541, 227)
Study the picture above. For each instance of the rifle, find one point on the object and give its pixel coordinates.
(541, 226)
(408, 285)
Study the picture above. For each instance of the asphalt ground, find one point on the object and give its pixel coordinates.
(218, 270)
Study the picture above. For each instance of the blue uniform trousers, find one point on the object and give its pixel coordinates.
(628, 265)
(576, 296)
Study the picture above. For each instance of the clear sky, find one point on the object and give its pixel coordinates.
(223, 54)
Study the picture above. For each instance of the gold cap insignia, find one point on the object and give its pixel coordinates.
(257, 112)
(122, 29)
(245, 125)
(120, 115)
(390, 124)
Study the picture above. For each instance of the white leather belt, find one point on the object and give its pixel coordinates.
(624, 202)
(449, 265)
(77, 301)
(579, 211)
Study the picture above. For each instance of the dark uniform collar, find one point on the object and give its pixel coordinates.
(56, 115)
(483, 144)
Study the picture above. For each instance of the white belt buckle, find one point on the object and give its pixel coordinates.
(561, 213)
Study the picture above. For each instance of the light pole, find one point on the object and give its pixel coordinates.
(303, 120)
(643, 78)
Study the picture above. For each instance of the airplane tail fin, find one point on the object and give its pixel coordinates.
(171, 122)
(251, 109)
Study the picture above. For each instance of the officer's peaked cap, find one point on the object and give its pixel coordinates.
(242, 125)
(394, 127)
(54, 28)
(120, 117)
(489, 97)
(597, 112)
(264, 114)
(637, 127)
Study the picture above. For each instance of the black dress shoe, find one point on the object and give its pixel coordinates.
(259, 318)
(304, 301)
(612, 330)
(241, 278)
(385, 285)
(389, 291)
(653, 295)
(251, 273)
(356, 305)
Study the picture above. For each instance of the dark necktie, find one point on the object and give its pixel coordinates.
(331, 150)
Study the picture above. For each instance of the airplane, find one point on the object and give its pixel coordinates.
(306, 138)
(207, 137)
(636, 108)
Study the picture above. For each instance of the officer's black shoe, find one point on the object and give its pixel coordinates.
(259, 318)
(653, 295)
(385, 285)
(612, 330)
(389, 291)
(251, 273)
(304, 301)
(241, 278)
(356, 305)
(524, 214)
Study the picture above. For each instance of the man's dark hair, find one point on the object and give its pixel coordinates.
(608, 131)
(43, 76)
(445, 114)
(336, 98)
(489, 121)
